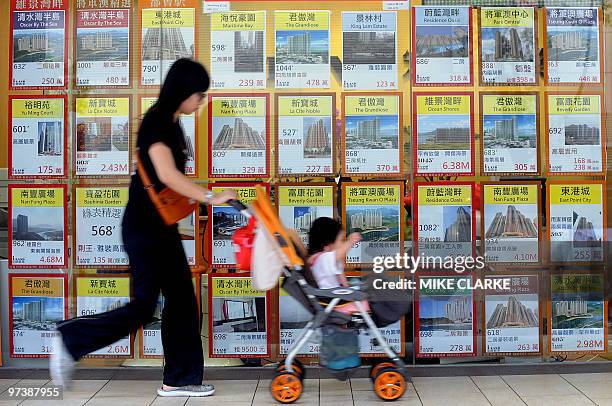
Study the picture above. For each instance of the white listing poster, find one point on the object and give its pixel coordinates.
(576, 144)
(369, 50)
(373, 134)
(444, 134)
(238, 318)
(238, 136)
(98, 215)
(305, 134)
(302, 49)
(100, 294)
(444, 320)
(38, 44)
(512, 316)
(37, 224)
(578, 314)
(573, 45)
(225, 220)
(299, 205)
(293, 318)
(187, 228)
(368, 345)
(511, 222)
(576, 221)
(238, 50)
(187, 122)
(37, 303)
(38, 137)
(167, 34)
(510, 131)
(374, 210)
(103, 47)
(508, 51)
(444, 223)
(102, 136)
(442, 45)
(150, 335)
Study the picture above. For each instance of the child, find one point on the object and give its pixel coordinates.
(327, 248)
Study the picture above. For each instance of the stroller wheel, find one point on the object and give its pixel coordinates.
(298, 368)
(374, 370)
(286, 387)
(389, 383)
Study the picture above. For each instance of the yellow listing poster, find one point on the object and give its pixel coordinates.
(102, 136)
(238, 50)
(37, 224)
(511, 222)
(238, 321)
(37, 302)
(576, 218)
(508, 45)
(302, 49)
(375, 211)
(98, 216)
(444, 223)
(99, 294)
(305, 134)
(299, 205)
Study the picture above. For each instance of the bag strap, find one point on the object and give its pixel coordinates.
(148, 186)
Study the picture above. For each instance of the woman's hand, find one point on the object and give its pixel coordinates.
(224, 197)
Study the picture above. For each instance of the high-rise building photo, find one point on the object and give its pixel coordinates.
(438, 313)
(50, 138)
(442, 41)
(511, 312)
(373, 222)
(302, 47)
(166, 43)
(317, 137)
(95, 44)
(513, 223)
(239, 133)
(507, 44)
(38, 45)
(572, 44)
(372, 132)
(510, 130)
(249, 51)
(94, 134)
(368, 47)
(457, 222)
(443, 131)
(37, 313)
(38, 224)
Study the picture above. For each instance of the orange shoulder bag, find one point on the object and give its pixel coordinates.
(171, 206)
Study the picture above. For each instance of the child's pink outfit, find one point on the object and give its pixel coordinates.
(325, 269)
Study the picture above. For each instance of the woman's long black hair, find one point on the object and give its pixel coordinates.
(185, 77)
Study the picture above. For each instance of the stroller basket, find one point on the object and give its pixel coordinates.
(339, 350)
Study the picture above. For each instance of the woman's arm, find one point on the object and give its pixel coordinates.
(167, 172)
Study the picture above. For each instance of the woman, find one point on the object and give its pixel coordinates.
(155, 250)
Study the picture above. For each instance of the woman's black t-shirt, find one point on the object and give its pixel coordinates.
(140, 211)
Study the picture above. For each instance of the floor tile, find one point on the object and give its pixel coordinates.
(445, 387)
(558, 400)
(489, 382)
(7, 383)
(166, 401)
(502, 397)
(540, 385)
(472, 399)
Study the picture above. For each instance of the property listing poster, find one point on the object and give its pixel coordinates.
(150, 334)
(573, 45)
(508, 39)
(444, 318)
(238, 318)
(444, 223)
(100, 294)
(578, 314)
(576, 220)
(292, 318)
(188, 230)
(444, 135)
(37, 302)
(511, 222)
(102, 49)
(510, 131)
(305, 134)
(442, 45)
(37, 223)
(102, 136)
(372, 134)
(238, 136)
(38, 44)
(369, 50)
(374, 210)
(302, 49)
(299, 205)
(575, 142)
(188, 123)
(225, 220)
(237, 50)
(166, 34)
(512, 317)
(38, 137)
(98, 215)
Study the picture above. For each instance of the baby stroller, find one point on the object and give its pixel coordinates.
(273, 253)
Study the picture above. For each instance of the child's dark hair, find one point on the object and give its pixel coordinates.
(323, 231)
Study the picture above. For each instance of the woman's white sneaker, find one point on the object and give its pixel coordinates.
(61, 363)
(187, 390)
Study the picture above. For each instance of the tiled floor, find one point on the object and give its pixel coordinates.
(557, 390)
